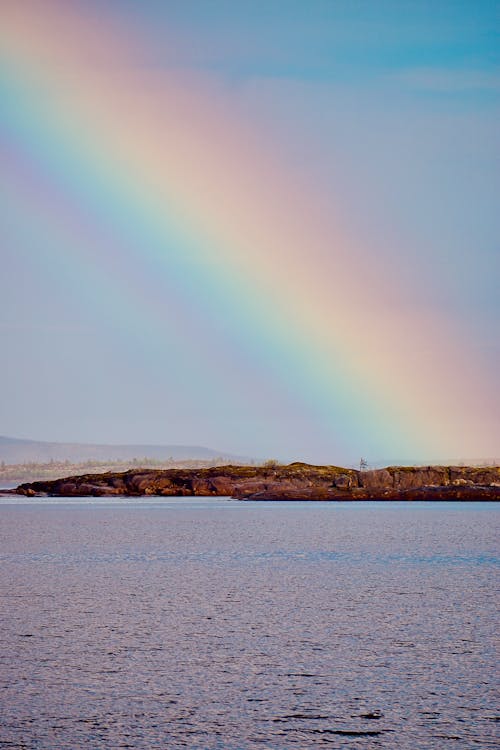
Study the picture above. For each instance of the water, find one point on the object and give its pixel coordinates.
(214, 624)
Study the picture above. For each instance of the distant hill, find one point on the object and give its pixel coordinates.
(485, 461)
(17, 451)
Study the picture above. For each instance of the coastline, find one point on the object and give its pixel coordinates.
(296, 481)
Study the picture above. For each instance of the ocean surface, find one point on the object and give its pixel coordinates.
(217, 624)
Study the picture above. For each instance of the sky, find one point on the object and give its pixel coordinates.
(270, 228)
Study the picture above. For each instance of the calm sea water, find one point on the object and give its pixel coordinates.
(238, 626)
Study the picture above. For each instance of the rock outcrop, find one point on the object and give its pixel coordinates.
(296, 481)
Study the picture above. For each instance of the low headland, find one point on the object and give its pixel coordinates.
(296, 481)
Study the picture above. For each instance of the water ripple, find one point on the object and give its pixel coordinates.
(276, 627)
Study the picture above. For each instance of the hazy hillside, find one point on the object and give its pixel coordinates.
(17, 451)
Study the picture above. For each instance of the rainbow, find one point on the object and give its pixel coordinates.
(147, 179)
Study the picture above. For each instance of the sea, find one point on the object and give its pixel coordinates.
(218, 624)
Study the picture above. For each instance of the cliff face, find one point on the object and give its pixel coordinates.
(296, 481)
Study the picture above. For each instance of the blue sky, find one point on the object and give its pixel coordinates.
(324, 39)
(390, 108)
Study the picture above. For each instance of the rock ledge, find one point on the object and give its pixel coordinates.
(296, 481)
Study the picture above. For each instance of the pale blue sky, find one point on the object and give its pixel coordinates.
(392, 108)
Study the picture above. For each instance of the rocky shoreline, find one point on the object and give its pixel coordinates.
(296, 481)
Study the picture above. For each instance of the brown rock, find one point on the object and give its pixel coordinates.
(375, 480)
(343, 481)
(295, 482)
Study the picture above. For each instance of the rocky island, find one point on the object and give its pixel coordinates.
(296, 481)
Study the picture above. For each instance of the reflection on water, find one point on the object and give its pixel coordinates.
(218, 624)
